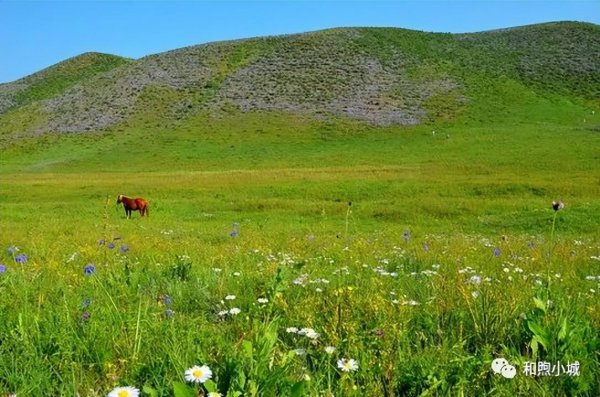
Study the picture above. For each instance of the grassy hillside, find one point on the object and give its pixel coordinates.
(56, 79)
(23, 102)
(379, 75)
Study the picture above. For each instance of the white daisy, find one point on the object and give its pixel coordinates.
(291, 330)
(263, 300)
(198, 374)
(475, 280)
(126, 391)
(230, 297)
(347, 364)
(329, 349)
(234, 311)
(305, 331)
(214, 394)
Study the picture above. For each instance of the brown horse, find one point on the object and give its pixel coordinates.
(136, 204)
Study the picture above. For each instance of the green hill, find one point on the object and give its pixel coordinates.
(56, 79)
(384, 76)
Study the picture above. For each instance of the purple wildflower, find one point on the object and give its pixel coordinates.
(111, 245)
(496, 251)
(101, 242)
(169, 313)
(89, 269)
(2, 267)
(21, 258)
(124, 248)
(12, 250)
(406, 235)
(85, 316)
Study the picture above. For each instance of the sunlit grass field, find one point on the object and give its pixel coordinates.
(421, 253)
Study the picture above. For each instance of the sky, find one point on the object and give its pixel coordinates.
(38, 34)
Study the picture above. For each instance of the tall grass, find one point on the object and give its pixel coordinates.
(416, 320)
(449, 257)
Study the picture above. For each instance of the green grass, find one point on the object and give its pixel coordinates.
(422, 252)
(286, 181)
(58, 78)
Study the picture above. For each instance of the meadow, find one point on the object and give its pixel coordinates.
(278, 245)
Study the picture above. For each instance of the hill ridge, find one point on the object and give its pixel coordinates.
(378, 75)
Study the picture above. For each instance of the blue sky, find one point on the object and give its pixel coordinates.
(37, 34)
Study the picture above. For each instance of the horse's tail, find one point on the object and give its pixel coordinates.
(143, 208)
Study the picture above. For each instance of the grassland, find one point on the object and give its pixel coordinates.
(264, 197)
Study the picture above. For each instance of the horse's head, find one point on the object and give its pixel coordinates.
(119, 198)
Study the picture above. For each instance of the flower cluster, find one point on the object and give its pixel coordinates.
(112, 245)
(198, 374)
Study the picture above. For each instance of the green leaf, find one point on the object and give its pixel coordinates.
(534, 346)
(150, 391)
(183, 390)
(540, 304)
(297, 389)
(540, 333)
(562, 334)
(247, 349)
(252, 387)
(210, 386)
